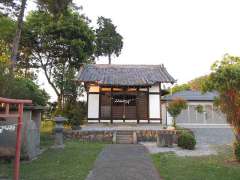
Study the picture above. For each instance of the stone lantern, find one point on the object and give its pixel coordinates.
(58, 130)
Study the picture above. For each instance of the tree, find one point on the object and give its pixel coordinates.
(109, 42)
(17, 87)
(7, 29)
(224, 78)
(54, 7)
(17, 8)
(175, 107)
(16, 40)
(58, 46)
(194, 85)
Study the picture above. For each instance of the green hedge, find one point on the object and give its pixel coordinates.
(186, 140)
(236, 150)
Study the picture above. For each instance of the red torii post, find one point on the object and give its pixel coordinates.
(19, 116)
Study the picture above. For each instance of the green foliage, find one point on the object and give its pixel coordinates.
(108, 40)
(181, 87)
(224, 78)
(8, 28)
(76, 113)
(26, 89)
(225, 75)
(55, 7)
(59, 47)
(196, 84)
(14, 86)
(9, 7)
(236, 150)
(21, 88)
(175, 107)
(186, 141)
(4, 55)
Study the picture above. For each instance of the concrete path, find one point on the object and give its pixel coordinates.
(124, 162)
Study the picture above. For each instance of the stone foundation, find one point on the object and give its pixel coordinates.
(90, 136)
(107, 136)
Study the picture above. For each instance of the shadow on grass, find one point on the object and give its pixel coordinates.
(71, 163)
(214, 167)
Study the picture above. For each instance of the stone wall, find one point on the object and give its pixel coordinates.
(106, 136)
(30, 142)
(90, 136)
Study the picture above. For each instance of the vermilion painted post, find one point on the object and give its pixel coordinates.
(18, 143)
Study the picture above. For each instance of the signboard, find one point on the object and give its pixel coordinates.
(7, 128)
(124, 99)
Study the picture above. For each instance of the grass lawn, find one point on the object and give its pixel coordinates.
(73, 162)
(215, 167)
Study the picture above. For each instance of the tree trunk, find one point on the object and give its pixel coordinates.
(109, 59)
(237, 133)
(174, 122)
(16, 40)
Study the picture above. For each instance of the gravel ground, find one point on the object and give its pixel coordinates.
(212, 134)
(200, 150)
(124, 162)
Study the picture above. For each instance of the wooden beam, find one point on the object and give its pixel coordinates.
(9, 115)
(15, 101)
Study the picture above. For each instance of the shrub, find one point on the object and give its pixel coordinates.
(75, 113)
(186, 140)
(175, 107)
(236, 150)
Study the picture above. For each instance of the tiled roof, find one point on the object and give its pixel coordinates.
(124, 75)
(193, 96)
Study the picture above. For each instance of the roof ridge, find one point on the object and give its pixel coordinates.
(129, 64)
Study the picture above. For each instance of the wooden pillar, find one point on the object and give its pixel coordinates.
(111, 105)
(99, 105)
(7, 109)
(137, 103)
(87, 104)
(160, 103)
(148, 110)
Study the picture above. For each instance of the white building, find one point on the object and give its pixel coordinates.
(124, 93)
(210, 115)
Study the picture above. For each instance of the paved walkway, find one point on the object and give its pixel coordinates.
(124, 162)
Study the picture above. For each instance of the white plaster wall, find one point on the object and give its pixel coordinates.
(169, 119)
(164, 114)
(154, 106)
(154, 88)
(93, 105)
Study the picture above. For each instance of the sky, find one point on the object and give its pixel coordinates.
(186, 36)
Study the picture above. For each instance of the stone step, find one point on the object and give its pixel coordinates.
(127, 139)
(129, 136)
(124, 142)
(130, 140)
(124, 132)
(124, 137)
